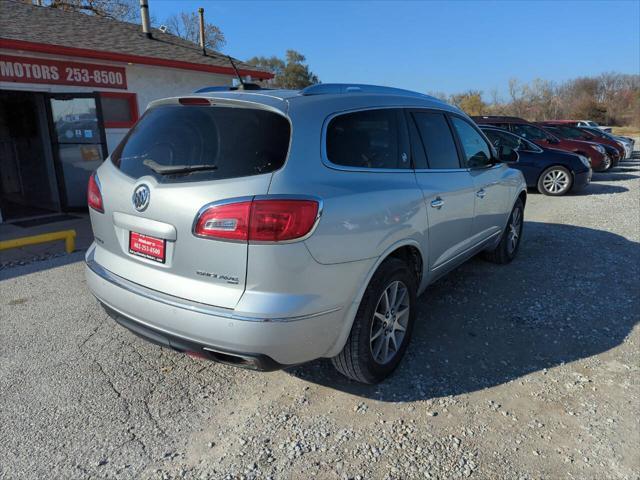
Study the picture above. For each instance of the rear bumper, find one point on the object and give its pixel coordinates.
(240, 359)
(257, 342)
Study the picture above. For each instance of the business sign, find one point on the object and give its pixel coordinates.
(61, 72)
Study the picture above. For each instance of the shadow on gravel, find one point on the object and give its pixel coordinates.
(38, 264)
(612, 176)
(570, 294)
(597, 189)
(623, 169)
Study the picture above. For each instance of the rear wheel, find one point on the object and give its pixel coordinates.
(509, 244)
(555, 181)
(382, 327)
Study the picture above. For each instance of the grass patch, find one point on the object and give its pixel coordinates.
(626, 131)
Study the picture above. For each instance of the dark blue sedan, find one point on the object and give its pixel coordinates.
(552, 172)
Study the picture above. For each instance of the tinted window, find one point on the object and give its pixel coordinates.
(438, 142)
(417, 149)
(529, 131)
(367, 139)
(237, 141)
(576, 133)
(499, 139)
(476, 149)
(502, 139)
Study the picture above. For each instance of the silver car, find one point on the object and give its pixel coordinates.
(266, 228)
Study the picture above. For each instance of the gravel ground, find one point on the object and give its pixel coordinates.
(526, 371)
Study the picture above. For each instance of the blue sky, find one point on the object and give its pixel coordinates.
(432, 46)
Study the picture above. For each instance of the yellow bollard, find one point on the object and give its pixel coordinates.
(69, 237)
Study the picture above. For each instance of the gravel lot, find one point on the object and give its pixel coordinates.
(527, 371)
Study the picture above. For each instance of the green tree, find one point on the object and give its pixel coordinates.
(291, 72)
(469, 102)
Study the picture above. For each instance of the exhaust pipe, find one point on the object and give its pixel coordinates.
(201, 14)
(144, 15)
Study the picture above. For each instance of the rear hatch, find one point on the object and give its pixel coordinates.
(180, 157)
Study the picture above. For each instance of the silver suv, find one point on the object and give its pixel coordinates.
(266, 228)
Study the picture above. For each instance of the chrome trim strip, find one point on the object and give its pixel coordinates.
(184, 304)
(480, 244)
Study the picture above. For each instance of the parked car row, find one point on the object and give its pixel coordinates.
(585, 124)
(555, 156)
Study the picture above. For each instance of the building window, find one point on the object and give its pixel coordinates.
(119, 110)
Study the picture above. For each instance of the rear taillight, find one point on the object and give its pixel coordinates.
(94, 195)
(261, 220)
(228, 221)
(280, 220)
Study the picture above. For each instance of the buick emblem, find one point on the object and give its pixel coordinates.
(140, 198)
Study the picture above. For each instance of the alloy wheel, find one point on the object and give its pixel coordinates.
(390, 321)
(556, 181)
(515, 228)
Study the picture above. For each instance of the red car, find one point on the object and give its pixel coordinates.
(595, 152)
(576, 133)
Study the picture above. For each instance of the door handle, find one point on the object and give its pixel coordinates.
(437, 203)
(481, 193)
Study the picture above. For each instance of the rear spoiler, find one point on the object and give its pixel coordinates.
(239, 101)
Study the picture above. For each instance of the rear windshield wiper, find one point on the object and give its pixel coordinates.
(170, 169)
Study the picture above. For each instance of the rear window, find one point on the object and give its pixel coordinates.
(221, 142)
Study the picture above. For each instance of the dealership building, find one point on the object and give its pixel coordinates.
(71, 85)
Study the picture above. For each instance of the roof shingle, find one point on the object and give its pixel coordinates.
(51, 26)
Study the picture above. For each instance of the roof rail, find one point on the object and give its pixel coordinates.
(223, 88)
(343, 88)
(230, 88)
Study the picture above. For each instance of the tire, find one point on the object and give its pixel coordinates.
(362, 359)
(505, 252)
(607, 164)
(555, 181)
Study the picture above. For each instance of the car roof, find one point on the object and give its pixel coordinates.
(339, 95)
(498, 118)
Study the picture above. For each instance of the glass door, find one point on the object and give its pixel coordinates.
(78, 142)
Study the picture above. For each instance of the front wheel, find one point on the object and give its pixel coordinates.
(555, 181)
(606, 164)
(511, 236)
(382, 327)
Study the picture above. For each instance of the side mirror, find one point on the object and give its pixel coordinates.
(507, 154)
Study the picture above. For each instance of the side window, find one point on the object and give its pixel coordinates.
(417, 149)
(438, 142)
(476, 149)
(529, 131)
(501, 139)
(367, 139)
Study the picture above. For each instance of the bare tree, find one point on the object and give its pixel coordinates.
(187, 25)
(610, 98)
(123, 10)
